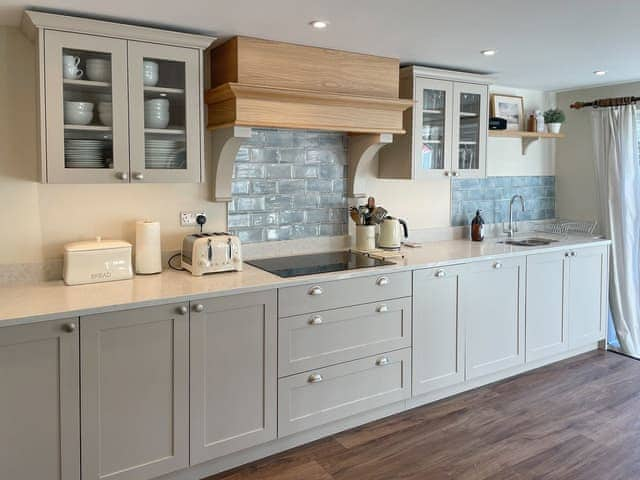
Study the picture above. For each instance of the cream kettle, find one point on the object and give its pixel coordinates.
(392, 232)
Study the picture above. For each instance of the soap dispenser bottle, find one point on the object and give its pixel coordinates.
(477, 227)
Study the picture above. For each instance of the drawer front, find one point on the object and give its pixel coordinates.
(328, 394)
(316, 340)
(314, 297)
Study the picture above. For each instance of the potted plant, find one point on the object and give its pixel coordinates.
(554, 119)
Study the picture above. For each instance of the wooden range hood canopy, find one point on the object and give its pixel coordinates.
(261, 83)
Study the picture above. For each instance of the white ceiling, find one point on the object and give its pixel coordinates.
(542, 44)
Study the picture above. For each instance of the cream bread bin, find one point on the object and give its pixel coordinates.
(97, 261)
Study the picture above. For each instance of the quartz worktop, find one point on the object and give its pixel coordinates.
(52, 300)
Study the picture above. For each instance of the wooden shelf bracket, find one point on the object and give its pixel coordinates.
(224, 147)
(362, 149)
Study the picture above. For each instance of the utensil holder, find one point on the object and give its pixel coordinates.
(365, 237)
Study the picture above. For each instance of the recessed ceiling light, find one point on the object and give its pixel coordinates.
(489, 53)
(319, 24)
(600, 72)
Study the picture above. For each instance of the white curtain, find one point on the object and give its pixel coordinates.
(618, 176)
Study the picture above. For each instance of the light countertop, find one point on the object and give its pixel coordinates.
(53, 300)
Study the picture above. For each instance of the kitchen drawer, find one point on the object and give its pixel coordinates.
(316, 340)
(314, 297)
(328, 394)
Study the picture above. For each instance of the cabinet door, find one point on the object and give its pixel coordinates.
(233, 374)
(87, 132)
(165, 113)
(546, 319)
(438, 342)
(39, 401)
(134, 393)
(586, 297)
(469, 130)
(432, 127)
(491, 297)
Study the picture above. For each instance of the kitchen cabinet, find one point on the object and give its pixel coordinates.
(438, 336)
(446, 127)
(134, 392)
(233, 373)
(545, 311)
(587, 294)
(39, 401)
(491, 302)
(118, 103)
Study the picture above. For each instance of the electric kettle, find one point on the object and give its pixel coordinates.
(391, 233)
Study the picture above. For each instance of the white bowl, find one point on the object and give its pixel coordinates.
(78, 106)
(77, 117)
(98, 70)
(106, 118)
(157, 102)
(156, 122)
(104, 107)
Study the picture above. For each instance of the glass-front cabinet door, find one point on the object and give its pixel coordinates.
(86, 114)
(469, 123)
(432, 131)
(165, 122)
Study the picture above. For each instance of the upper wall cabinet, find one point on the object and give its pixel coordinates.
(446, 128)
(118, 103)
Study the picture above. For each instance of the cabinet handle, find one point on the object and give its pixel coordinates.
(446, 173)
(198, 307)
(382, 361)
(440, 273)
(315, 290)
(382, 281)
(315, 378)
(138, 176)
(566, 254)
(573, 254)
(454, 174)
(182, 309)
(382, 309)
(122, 176)
(69, 327)
(497, 265)
(315, 320)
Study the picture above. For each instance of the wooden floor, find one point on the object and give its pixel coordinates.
(578, 419)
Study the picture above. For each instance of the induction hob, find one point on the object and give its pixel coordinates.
(317, 263)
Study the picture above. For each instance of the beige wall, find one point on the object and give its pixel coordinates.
(576, 196)
(35, 219)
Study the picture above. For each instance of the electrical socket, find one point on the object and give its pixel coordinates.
(188, 219)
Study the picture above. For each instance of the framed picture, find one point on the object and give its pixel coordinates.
(509, 107)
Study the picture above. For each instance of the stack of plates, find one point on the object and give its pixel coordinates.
(84, 153)
(161, 153)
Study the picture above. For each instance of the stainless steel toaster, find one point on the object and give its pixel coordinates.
(210, 253)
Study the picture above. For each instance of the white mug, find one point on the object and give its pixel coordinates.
(70, 60)
(70, 68)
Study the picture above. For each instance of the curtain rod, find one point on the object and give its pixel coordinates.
(606, 102)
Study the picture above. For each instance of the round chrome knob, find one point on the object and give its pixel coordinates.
(198, 307)
(446, 173)
(315, 320)
(573, 254)
(182, 310)
(138, 176)
(454, 174)
(440, 273)
(69, 327)
(122, 176)
(315, 378)
(382, 361)
(382, 281)
(566, 254)
(497, 265)
(382, 308)
(315, 290)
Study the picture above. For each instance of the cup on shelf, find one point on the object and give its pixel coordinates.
(150, 73)
(99, 69)
(105, 113)
(78, 113)
(156, 113)
(70, 68)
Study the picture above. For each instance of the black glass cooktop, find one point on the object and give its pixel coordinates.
(317, 263)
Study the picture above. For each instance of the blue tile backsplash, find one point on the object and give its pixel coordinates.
(492, 196)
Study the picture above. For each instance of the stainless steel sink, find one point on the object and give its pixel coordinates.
(528, 242)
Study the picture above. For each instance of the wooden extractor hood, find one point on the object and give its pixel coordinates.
(266, 84)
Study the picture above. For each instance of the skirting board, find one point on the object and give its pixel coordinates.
(204, 470)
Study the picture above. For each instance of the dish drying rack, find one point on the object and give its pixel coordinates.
(567, 227)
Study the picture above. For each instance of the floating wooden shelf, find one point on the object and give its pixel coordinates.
(527, 137)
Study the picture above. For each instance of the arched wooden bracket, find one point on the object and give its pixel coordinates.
(362, 149)
(224, 147)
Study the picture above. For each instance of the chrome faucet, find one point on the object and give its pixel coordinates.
(513, 226)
